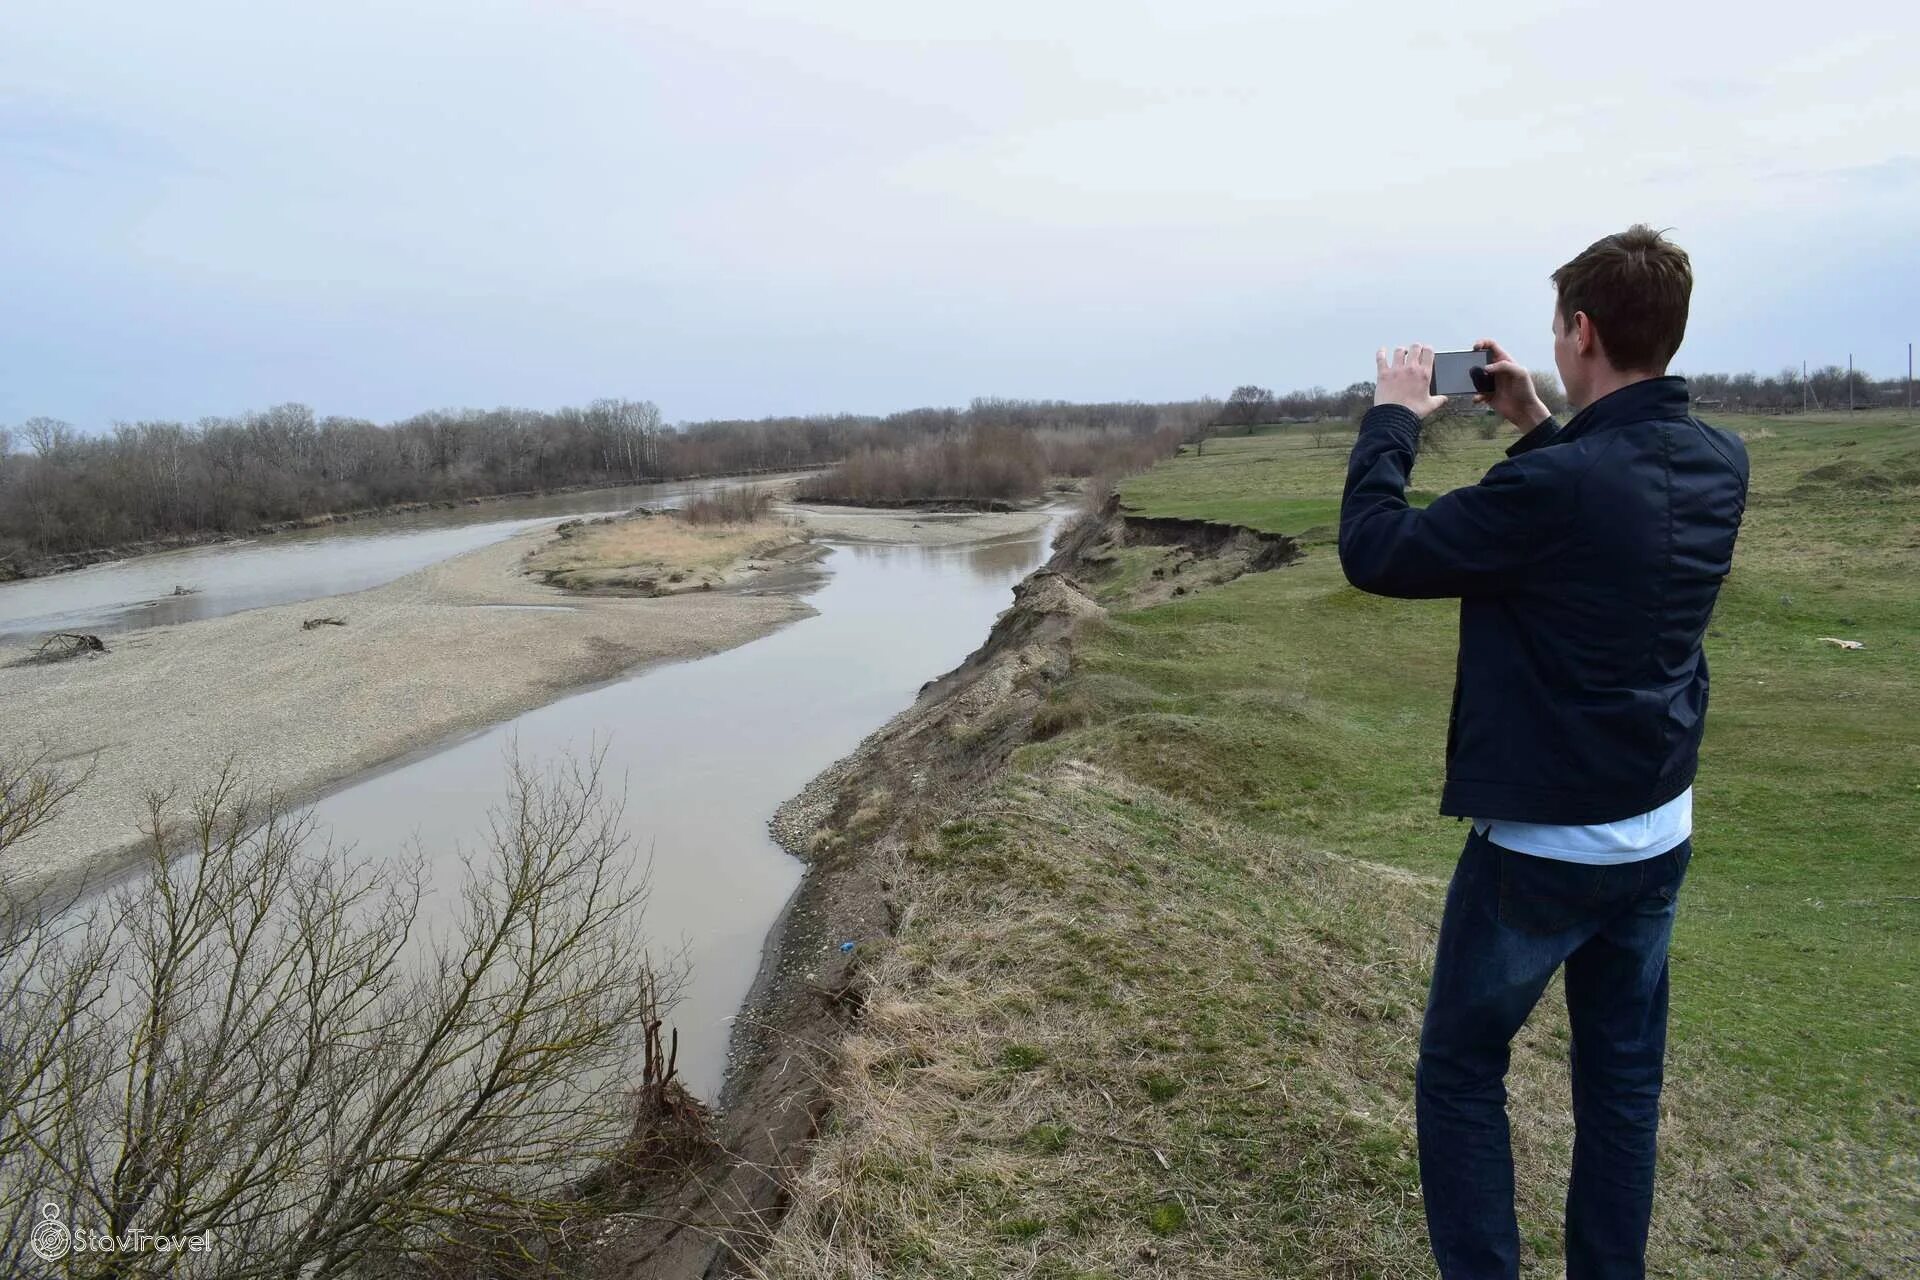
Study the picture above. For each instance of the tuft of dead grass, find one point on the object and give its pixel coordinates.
(737, 505)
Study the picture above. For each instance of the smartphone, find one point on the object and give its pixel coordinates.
(1453, 372)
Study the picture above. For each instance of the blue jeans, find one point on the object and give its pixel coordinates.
(1511, 920)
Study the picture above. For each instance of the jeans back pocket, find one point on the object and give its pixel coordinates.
(1543, 895)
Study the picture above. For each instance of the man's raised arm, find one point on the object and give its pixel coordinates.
(1475, 540)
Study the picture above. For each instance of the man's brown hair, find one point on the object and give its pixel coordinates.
(1634, 286)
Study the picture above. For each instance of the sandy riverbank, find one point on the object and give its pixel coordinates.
(421, 660)
(932, 528)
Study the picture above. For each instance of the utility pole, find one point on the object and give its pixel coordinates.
(1849, 382)
(1803, 386)
(1909, 377)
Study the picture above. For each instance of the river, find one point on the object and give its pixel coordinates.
(704, 750)
(707, 750)
(227, 577)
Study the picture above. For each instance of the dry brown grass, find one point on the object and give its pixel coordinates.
(984, 466)
(987, 466)
(1118, 1036)
(737, 505)
(656, 555)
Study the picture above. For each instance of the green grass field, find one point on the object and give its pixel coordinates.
(1294, 701)
(1154, 1003)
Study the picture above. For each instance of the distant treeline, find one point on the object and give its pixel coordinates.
(1824, 388)
(987, 464)
(1251, 406)
(64, 491)
(1787, 391)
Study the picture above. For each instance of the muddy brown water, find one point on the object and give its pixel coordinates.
(228, 577)
(704, 751)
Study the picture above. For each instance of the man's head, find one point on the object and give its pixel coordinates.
(1621, 312)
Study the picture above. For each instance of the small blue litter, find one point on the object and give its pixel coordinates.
(846, 946)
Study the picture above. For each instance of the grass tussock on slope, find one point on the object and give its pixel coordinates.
(652, 554)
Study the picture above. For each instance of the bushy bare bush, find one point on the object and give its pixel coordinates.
(256, 1040)
(738, 504)
(1086, 452)
(989, 464)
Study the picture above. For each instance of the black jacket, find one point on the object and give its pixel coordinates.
(1587, 565)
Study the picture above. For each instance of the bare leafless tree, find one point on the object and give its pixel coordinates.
(32, 790)
(261, 1039)
(1248, 407)
(1546, 384)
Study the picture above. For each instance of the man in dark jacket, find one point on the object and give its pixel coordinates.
(1586, 565)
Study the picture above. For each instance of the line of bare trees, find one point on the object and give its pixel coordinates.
(62, 490)
(989, 464)
(1250, 406)
(1825, 388)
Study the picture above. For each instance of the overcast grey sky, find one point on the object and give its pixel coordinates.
(774, 206)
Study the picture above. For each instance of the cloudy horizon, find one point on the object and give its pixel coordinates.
(377, 209)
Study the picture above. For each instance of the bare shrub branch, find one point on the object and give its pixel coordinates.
(32, 788)
(736, 504)
(262, 1039)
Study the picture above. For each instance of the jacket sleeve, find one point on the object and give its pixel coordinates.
(1477, 540)
(1542, 433)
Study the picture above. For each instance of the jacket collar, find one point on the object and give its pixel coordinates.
(1650, 399)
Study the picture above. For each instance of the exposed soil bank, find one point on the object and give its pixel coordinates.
(851, 825)
(1200, 552)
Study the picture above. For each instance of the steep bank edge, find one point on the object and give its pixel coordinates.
(1199, 553)
(850, 825)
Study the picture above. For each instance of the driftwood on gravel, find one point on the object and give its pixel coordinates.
(311, 623)
(62, 645)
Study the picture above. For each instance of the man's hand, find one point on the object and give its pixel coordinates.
(1404, 380)
(1514, 396)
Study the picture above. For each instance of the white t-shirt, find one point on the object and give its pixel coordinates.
(1647, 835)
